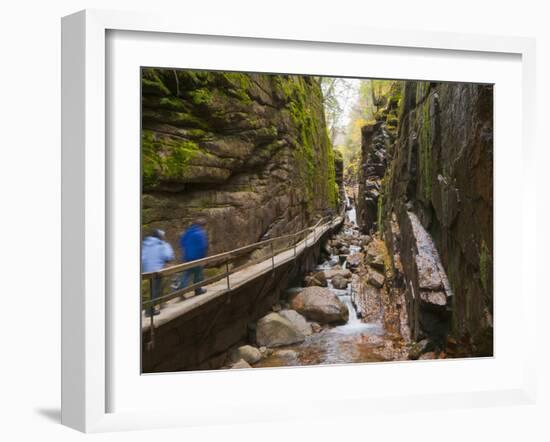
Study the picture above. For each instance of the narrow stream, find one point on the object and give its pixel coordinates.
(355, 341)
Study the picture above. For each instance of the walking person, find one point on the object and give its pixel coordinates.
(155, 253)
(194, 245)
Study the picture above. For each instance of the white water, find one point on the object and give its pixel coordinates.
(351, 214)
(354, 324)
(340, 344)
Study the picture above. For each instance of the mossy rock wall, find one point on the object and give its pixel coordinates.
(249, 152)
(441, 168)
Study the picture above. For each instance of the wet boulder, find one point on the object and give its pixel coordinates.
(315, 327)
(247, 353)
(428, 355)
(241, 364)
(274, 330)
(297, 320)
(334, 272)
(355, 260)
(375, 255)
(375, 279)
(418, 348)
(344, 250)
(365, 240)
(320, 305)
(286, 356)
(337, 243)
(436, 299)
(317, 279)
(339, 282)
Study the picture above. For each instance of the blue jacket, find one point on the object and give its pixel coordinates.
(194, 243)
(154, 254)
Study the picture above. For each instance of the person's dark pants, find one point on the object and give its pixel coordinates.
(196, 274)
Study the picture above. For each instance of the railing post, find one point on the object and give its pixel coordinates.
(294, 246)
(152, 313)
(227, 274)
(272, 256)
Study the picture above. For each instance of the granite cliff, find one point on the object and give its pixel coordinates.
(249, 152)
(426, 187)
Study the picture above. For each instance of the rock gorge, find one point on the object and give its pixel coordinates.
(249, 152)
(400, 268)
(425, 187)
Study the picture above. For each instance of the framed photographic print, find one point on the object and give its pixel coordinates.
(261, 219)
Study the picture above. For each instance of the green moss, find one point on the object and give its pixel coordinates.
(177, 161)
(314, 153)
(239, 84)
(301, 116)
(151, 83)
(197, 133)
(187, 119)
(332, 187)
(201, 96)
(172, 103)
(164, 157)
(149, 159)
(484, 263)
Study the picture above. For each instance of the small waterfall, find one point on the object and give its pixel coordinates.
(351, 213)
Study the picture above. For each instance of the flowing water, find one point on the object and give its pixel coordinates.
(355, 341)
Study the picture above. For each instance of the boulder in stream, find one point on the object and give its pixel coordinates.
(375, 279)
(339, 282)
(315, 327)
(354, 260)
(241, 363)
(317, 279)
(321, 305)
(344, 250)
(297, 321)
(274, 330)
(247, 353)
(333, 272)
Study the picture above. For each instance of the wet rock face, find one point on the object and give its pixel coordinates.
(440, 184)
(248, 152)
(339, 173)
(374, 162)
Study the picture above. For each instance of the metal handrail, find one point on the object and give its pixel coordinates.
(225, 258)
(220, 256)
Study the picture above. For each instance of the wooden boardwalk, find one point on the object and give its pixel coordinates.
(176, 307)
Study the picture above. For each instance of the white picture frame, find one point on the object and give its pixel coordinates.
(85, 212)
